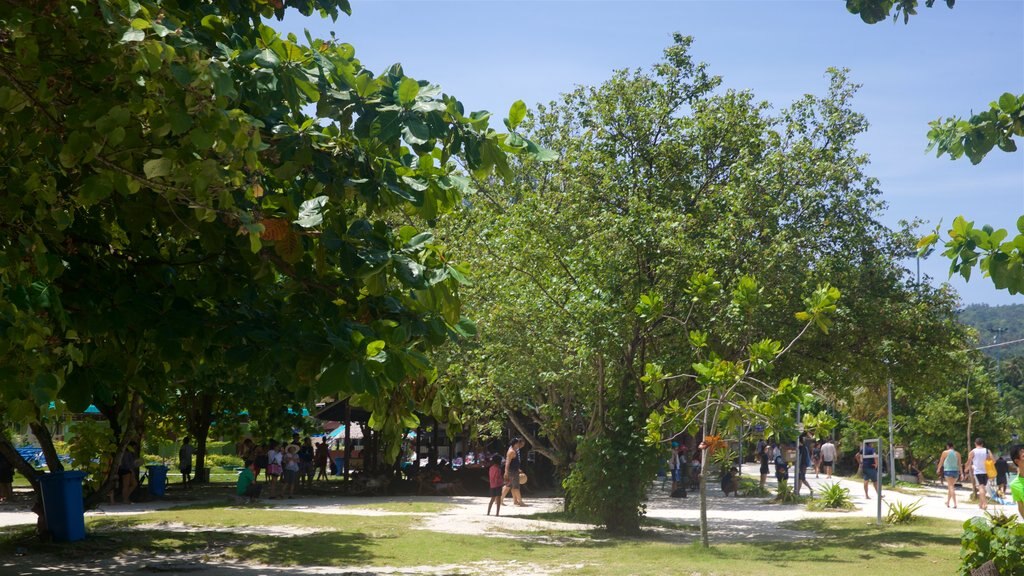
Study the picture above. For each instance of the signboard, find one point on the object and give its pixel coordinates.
(898, 451)
(758, 427)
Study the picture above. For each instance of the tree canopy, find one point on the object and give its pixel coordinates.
(187, 192)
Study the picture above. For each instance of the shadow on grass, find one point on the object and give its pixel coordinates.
(135, 549)
(904, 541)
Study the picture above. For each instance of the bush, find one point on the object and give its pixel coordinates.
(833, 497)
(751, 488)
(91, 449)
(900, 513)
(785, 494)
(608, 482)
(214, 460)
(997, 538)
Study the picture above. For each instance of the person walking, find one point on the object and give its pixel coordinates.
(949, 469)
(1002, 470)
(805, 462)
(496, 481)
(185, 462)
(867, 461)
(512, 467)
(764, 455)
(976, 464)
(828, 457)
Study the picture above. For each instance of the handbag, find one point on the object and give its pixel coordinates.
(523, 478)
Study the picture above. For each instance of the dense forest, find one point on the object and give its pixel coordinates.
(997, 324)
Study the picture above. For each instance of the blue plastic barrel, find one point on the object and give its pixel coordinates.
(339, 466)
(62, 504)
(157, 479)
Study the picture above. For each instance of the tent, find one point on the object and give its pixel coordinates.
(339, 433)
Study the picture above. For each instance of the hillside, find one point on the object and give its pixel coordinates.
(997, 323)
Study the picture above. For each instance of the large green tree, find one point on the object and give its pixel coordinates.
(184, 186)
(664, 185)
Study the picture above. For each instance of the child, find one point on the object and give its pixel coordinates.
(497, 480)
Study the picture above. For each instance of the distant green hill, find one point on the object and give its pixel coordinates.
(997, 324)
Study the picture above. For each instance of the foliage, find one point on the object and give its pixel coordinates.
(609, 482)
(900, 513)
(90, 451)
(723, 458)
(819, 425)
(833, 496)
(187, 191)
(976, 137)
(785, 494)
(1000, 540)
(874, 11)
(751, 488)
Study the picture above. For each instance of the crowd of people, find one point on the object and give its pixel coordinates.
(285, 466)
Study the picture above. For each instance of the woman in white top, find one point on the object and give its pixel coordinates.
(976, 461)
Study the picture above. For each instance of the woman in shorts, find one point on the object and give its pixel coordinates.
(949, 466)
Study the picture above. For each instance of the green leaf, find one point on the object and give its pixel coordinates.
(311, 213)
(374, 348)
(133, 35)
(1007, 102)
(407, 91)
(516, 114)
(267, 59)
(416, 132)
(157, 167)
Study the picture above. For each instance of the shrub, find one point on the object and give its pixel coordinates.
(608, 482)
(785, 494)
(900, 513)
(995, 538)
(91, 450)
(751, 488)
(833, 497)
(214, 460)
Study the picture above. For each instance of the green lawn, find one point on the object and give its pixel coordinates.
(850, 546)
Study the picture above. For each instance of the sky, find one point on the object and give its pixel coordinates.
(490, 53)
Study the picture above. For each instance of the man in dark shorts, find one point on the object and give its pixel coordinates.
(828, 457)
(867, 459)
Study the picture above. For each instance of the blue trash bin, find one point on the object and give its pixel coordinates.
(339, 466)
(157, 479)
(62, 504)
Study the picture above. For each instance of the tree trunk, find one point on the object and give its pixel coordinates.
(202, 416)
(42, 434)
(134, 423)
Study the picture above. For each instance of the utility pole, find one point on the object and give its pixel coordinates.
(892, 454)
(996, 332)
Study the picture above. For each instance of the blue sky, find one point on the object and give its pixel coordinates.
(945, 62)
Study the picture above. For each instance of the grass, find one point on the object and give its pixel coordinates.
(853, 545)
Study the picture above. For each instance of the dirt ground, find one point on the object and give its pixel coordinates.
(730, 519)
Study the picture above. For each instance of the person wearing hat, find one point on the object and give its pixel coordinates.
(291, 470)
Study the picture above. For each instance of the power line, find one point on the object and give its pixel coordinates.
(999, 345)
